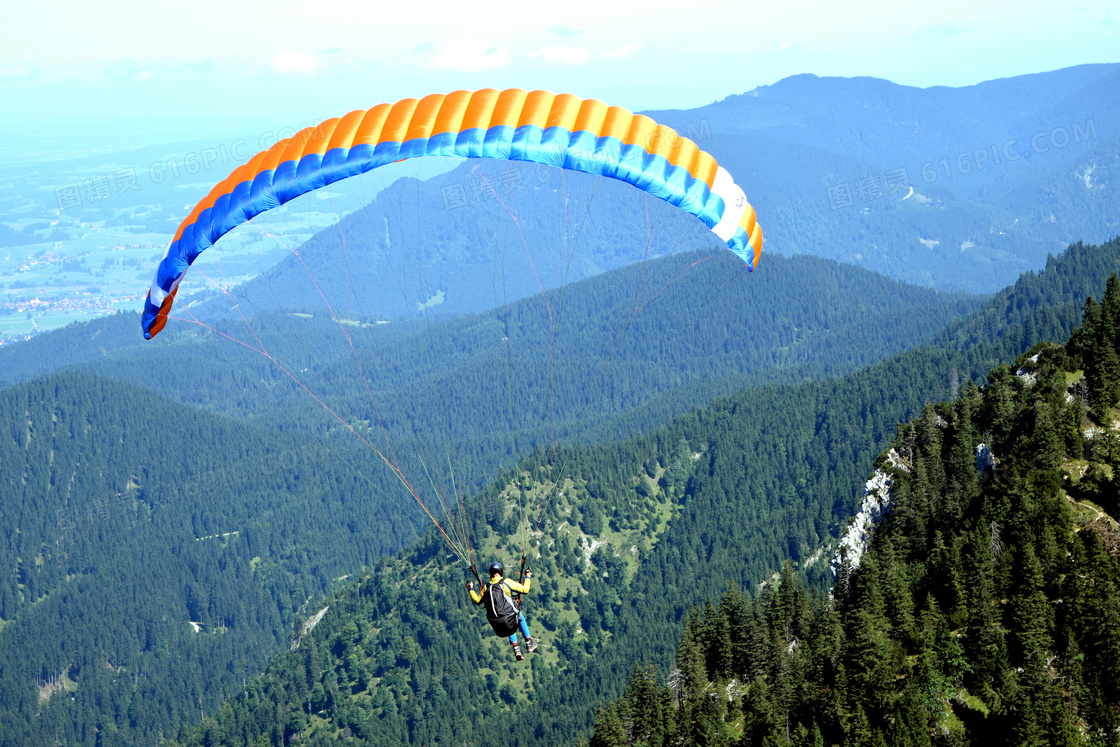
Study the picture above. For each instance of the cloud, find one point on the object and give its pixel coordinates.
(126, 69)
(565, 31)
(562, 55)
(469, 57)
(621, 53)
(1112, 18)
(292, 62)
(937, 32)
(16, 72)
(201, 67)
(774, 49)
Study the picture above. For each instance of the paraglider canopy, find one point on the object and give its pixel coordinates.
(562, 130)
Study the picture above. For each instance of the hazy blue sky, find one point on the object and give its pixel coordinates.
(208, 63)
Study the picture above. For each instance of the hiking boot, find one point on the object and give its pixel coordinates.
(517, 652)
(531, 644)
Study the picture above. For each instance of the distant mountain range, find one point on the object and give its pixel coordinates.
(955, 188)
(1004, 172)
(959, 188)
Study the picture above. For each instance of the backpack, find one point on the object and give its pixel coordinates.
(502, 615)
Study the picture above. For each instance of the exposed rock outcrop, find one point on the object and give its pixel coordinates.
(876, 505)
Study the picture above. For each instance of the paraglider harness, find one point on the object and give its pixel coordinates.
(503, 613)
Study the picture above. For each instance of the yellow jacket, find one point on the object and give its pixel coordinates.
(510, 585)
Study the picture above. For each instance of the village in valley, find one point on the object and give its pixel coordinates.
(78, 246)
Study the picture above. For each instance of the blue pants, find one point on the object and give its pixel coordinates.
(524, 630)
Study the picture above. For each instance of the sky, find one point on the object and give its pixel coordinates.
(148, 71)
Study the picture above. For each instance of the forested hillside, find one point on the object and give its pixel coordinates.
(155, 556)
(127, 516)
(984, 612)
(804, 317)
(162, 478)
(1044, 305)
(494, 385)
(760, 478)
